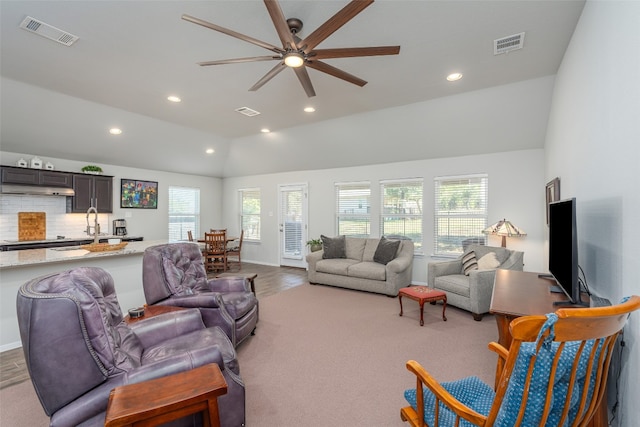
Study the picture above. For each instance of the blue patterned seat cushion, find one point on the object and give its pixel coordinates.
(471, 391)
(540, 381)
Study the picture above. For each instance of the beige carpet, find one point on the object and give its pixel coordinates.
(325, 356)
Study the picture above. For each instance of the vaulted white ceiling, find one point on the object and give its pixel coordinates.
(60, 101)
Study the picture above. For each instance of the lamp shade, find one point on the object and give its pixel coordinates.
(505, 229)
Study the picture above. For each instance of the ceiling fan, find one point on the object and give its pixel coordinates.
(298, 54)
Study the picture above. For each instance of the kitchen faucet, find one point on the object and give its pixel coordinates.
(96, 226)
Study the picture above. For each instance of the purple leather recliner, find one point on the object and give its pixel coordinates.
(174, 274)
(78, 348)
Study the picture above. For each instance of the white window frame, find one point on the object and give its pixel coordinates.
(450, 244)
(251, 233)
(410, 212)
(185, 208)
(346, 196)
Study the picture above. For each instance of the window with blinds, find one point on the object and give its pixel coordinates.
(250, 213)
(184, 212)
(401, 213)
(353, 209)
(460, 212)
(292, 217)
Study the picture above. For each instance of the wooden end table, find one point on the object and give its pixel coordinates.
(150, 311)
(423, 294)
(169, 398)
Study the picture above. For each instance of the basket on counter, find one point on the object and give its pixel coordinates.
(103, 247)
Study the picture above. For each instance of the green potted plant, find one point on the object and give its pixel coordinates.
(314, 244)
(92, 169)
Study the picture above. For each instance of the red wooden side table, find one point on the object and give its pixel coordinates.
(423, 294)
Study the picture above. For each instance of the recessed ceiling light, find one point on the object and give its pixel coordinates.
(115, 131)
(174, 98)
(309, 109)
(265, 130)
(454, 76)
(210, 151)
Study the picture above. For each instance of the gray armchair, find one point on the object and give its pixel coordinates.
(174, 274)
(78, 348)
(472, 292)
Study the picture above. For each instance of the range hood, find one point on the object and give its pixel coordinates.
(37, 190)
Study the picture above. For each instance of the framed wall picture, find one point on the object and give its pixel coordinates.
(138, 194)
(552, 193)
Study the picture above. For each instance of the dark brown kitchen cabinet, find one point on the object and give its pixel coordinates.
(56, 179)
(91, 190)
(20, 176)
(38, 177)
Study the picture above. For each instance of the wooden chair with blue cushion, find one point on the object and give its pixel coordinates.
(554, 374)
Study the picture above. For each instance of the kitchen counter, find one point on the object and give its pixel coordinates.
(15, 245)
(9, 259)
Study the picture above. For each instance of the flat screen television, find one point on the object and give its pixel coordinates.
(563, 249)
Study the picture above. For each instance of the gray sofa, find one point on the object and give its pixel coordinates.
(471, 292)
(359, 271)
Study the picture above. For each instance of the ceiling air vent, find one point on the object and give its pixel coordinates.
(509, 43)
(247, 111)
(45, 30)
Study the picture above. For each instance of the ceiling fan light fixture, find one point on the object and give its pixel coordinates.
(293, 59)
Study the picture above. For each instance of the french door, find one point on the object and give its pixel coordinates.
(292, 220)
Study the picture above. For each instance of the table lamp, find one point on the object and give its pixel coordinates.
(504, 228)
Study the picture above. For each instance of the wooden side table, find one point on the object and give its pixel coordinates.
(169, 398)
(150, 311)
(423, 294)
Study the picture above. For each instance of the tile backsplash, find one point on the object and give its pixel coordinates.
(59, 222)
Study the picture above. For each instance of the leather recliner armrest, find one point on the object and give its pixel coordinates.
(164, 326)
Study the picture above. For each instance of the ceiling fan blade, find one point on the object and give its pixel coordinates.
(239, 60)
(280, 22)
(232, 33)
(349, 52)
(334, 23)
(335, 72)
(271, 74)
(305, 81)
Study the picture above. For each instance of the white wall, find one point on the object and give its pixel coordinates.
(152, 224)
(593, 145)
(516, 192)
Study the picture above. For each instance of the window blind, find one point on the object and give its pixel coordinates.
(184, 212)
(460, 208)
(401, 212)
(353, 209)
(250, 213)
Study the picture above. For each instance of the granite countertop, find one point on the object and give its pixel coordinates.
(9, 259)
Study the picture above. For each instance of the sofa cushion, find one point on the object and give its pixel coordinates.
(489, 262)
(337, 266)
(370, 247)
(454, 283)
(469, 262)
(333, 247)
(368, 270)
(355, 247)
(386, 250)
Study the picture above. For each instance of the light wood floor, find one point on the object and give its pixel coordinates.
(270, 280)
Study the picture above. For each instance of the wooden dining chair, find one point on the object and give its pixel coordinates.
(215, 253)
(235, 251)
(554, 374)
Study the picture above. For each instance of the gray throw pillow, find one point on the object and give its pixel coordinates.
(386, 250)
(333, 247)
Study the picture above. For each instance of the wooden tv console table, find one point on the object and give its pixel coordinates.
(523, 293)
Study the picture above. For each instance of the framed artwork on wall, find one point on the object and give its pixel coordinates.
(138, 194)
(552, 193)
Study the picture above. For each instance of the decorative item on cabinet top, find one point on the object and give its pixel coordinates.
(36, 163)
(92, 169)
